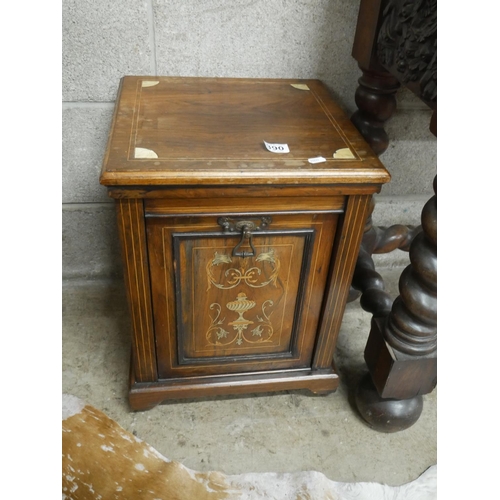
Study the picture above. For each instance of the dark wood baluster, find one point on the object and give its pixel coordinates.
(374, 299)
(401, 348)
(394, 237)
(376, 101)
(411, 327)
(366, 281)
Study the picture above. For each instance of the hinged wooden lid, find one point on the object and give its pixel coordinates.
(212, 131)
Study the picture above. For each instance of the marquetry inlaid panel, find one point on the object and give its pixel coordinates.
(244, 305)
(219, 312)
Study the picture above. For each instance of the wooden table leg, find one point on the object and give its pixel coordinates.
(376, 101)
(367, 282)
(401, 352)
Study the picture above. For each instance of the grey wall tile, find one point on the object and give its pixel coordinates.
(90, 242)
(407, 100)
(390, 210)
(412, 154)
(85, 133)
(103, 41)
(266, 39)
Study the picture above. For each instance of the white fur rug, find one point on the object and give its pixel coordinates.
(102, 461)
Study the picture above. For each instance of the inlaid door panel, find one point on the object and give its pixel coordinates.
(243, 294)
(249, 302)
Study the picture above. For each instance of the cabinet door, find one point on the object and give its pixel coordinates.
(234, 293)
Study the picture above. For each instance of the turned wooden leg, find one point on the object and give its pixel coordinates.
(401, 349)
(376, 101)
(366, 281)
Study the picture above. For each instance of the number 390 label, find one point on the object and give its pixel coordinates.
(277, 148)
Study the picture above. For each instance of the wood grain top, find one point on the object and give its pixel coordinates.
(212, 131)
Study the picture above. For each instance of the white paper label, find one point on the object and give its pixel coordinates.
(277, 148)
(318, 159)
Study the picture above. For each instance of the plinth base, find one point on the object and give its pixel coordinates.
(144, 396)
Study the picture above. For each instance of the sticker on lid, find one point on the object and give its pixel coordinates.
(317, 159)
(277, 148)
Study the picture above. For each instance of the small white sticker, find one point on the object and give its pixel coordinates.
(277, 148)
(318, 159)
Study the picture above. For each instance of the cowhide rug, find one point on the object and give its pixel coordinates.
(101, 460)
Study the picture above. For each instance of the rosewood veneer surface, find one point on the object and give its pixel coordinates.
(237, 259)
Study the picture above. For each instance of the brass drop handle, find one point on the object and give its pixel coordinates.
(230, 225)
(246, 234)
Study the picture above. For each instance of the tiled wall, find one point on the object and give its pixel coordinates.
(107, 39)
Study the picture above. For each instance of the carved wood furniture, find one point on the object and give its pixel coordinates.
(238, 257)
(395, 44)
